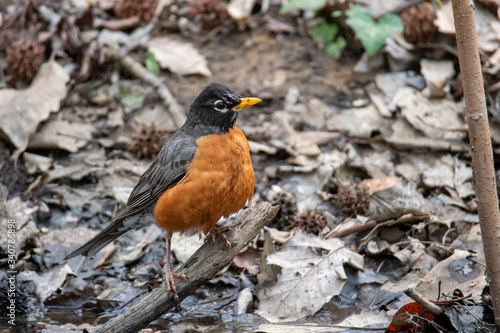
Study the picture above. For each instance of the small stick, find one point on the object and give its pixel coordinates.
(480, 142)
(426, 304)
(136, 69)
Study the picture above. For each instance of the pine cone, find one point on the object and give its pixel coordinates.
(418, 23)
(211, 13)
(24, 58)
(310, 221)
(143, 9)
(353, 200)
(288, 208)
(146, 141)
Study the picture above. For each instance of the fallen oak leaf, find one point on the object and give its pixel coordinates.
(240, 11)
(410, 317)
(178, 56)
(22, 110)
(62, 134)
(311, 273)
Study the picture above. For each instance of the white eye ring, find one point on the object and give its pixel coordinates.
(220, 106)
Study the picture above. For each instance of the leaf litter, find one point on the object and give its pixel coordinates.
(308, 278)
(22, 111)
(391, 123)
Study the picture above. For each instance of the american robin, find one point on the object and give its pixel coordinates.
(201, 174)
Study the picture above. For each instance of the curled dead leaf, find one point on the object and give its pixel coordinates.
(178, 56)
(22, 110)
(311, 274)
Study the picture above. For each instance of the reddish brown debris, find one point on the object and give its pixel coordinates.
(24, 58)
(310, 221)
(210, 13)
(353, 200)
(147, 140)
(144, 10)
(418, 22)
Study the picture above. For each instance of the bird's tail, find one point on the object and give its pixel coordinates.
(102, 239)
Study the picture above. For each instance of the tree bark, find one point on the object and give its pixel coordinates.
(480, 142)
(201, 267)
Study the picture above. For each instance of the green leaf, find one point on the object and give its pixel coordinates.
(324, 32)
(302, 4)
(335, 48)
(130, 100)
(372, 34)
(151, 63)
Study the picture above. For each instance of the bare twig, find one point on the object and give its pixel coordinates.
(140, 72)
(33, 185)
(426, 304)
(353, 227)
(480, 142)
(408, 218)
(202, 266)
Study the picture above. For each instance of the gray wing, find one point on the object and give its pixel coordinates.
(169, 168)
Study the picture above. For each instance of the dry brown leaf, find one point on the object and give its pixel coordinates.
(359, 123)
(437, 118)
(395, 201)
(240, 10)
(312, 273)
(22, 110)
(404, 136)
(249, 259)
(186, 246)
(178, 56)
(444, 20)
(436, 74)
(415, 256)
(379, 184)
(305, 143)
(49, 282)
(441, 174)
(36, 163)
(26, 228)
(379, 164)
(63, 135)
(462, 271)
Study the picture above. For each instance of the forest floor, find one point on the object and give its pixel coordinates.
(367, 157)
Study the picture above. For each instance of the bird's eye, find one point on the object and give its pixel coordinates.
(220, 106)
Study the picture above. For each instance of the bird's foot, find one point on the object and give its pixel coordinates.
(220, 232)
(169, 277)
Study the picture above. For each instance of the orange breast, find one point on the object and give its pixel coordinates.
(220, 180)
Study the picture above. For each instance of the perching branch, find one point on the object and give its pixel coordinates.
(201, 267)
(479, 135)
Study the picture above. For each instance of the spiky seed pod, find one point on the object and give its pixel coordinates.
(210, 13)
(24, 58)
(418, 22)
(310, 221)
(353, 200)
(147, 140)
(143, 9)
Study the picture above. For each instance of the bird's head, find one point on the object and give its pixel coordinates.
(217, 106)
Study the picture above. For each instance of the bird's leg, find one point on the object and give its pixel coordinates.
(219, 231)
(169, 274)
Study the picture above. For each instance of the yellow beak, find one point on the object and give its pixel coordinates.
(247, 101)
